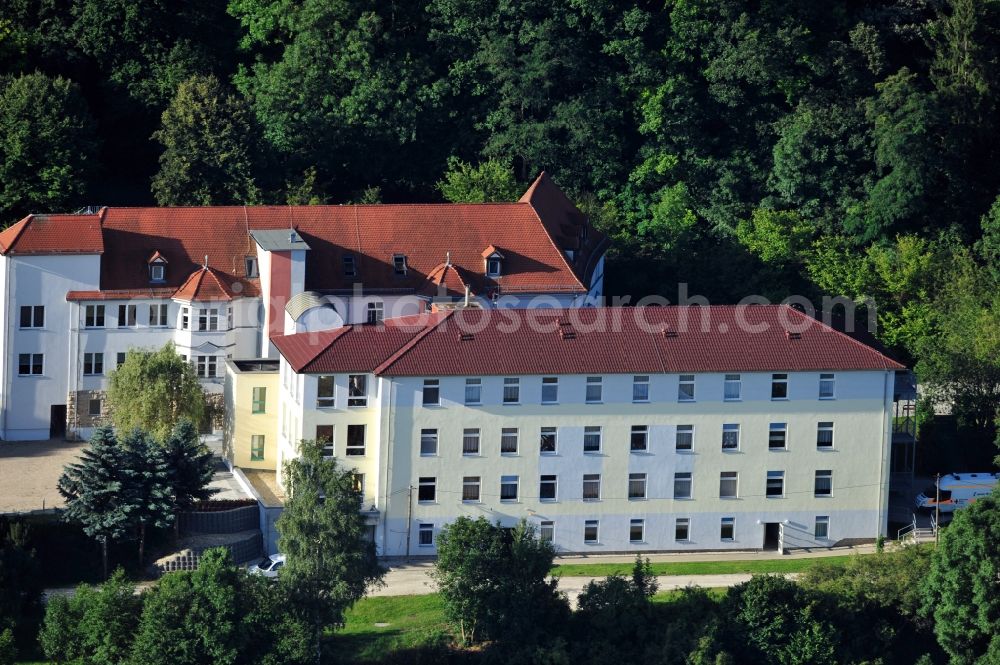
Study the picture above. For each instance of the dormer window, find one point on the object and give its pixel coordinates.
(399, 263)
(157, 267)
(493, 267)
(494, 261)
(251, 267)
(351, 268)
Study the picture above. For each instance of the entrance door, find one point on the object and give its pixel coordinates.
(57, 421)
(772, 535)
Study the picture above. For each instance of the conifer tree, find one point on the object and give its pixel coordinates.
(149, 491)
(189, 467)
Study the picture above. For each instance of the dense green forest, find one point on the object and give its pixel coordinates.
(773, 147)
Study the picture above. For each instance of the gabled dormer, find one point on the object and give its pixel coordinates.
(157, 268)
(493, 260)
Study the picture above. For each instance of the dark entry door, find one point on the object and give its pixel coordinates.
(57, 421)
(772, 534)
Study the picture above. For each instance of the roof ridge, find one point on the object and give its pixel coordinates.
(17, 233)
(857, 342)
(412, 342)
(562, 256)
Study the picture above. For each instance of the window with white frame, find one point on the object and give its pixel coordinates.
(229, 318)
(731, 436)
(493, 266)
(637, 486)
(470, 488)
(550, 389)
(727, 529)
(684, 438)
(824, 483)
(779, 386)
(827, 385)
(777, 436)
(157, 272)
(375, 312)
(428, 442)
(590, 531)
(546, 531)
(547, 440)
(93, 316)
(508, 488)
(775, 484)
(325, 392)
(208, 318)
(425, 535)
(33, 316)
(94, 408)
(357, 390)
(685, 388)
(427, 489)
(206, 366)
(250, 267)
(547, 487)
(185, 318)
(508, 441)
(432, 392)
(640, 388)
(324, 434)
(732, 388)
(256, 447)
(592, 439)
(93, 363)
(636, 530)
(824, 435)
(126, 316)
(682, 529)
(473, 390)
(355, 440)
(682, 485)
(729, 483)
(258, 402)
(639, 439)
(470, 441)
(822, 529)
(591, 487)
(594, 389)
(158, 315)
(511, 390)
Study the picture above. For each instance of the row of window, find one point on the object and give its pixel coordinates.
(636, 530)
(33, 364)
(636, 489)
(94, 316)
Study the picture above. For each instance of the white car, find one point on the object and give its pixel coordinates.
(268, 567)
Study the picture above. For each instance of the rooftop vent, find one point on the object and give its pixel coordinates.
(466, 337)
(793, 335)
(567, 334)
(667, 332)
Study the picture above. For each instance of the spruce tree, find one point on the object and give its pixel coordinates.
(149, 491)
(190, 466)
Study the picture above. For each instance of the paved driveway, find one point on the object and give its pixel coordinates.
(29, 473)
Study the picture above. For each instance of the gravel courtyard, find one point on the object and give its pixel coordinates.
(29, 471)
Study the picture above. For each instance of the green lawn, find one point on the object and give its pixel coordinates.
(412, 623)
(699, 567)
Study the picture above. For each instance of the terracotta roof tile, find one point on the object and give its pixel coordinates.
(54, 234)
(208, 284)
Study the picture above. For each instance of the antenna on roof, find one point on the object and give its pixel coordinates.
(205, 265)
(447, 258)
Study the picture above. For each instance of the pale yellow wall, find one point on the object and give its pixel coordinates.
(242, 423)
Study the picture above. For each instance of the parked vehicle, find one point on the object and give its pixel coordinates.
(268, 567)
(957, 490)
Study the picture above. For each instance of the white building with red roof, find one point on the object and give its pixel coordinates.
(220, 282)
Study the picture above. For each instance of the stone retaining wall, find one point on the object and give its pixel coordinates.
(222, 521)
(244, 550)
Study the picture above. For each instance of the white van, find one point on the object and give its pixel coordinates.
(958, 490)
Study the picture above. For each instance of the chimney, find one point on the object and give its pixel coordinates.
(466, 302)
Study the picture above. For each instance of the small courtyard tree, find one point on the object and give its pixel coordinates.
(149, 491)
(331, 563)
(154, 390)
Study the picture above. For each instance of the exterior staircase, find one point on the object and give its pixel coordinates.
(915, 533)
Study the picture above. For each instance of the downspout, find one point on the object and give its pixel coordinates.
(391, 388)
(72, 376)
(885, 453)
(8, 378)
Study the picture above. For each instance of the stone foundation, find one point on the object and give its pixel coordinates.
(78, 412)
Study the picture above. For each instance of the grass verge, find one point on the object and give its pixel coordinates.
(377, 626)
(700, 567)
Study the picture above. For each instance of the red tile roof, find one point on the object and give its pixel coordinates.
(165, 293)
(593, 340)
(53, 234)
(208, 284)
(446, 279)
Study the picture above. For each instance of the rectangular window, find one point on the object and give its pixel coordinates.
(727, 529)
(324, 435)
(126, 316)
(685, 388)
(474, 391)
(355, 440)
(550, 389)
(256, 447)
(824, 435)
(470, 488)
(350, 268)
(357, 390)
(827, 383)
(822, 529)
(640, 388)
(682, 485)
(156, 272)
(205, 366)
(547, 440)
(594, 389)
(32, 316)
(547, 486)
(157, 316)
(731, 436)
(259, 404)
(682, 529)
(427, 489)
(729, 482)
(425, 535)
(120, 358)
(432, 392)
(639, 439)
(546, 531)
(508, 441)
(185, 318)
(636, 527)
(591, 486)
(94, 408)
(399, 264)
(208, 318)
(428, 442)
(775, 484)
(325, 395)
(508, 488)
(93, 316)
(375, 312)
(684, 439)
(590, 531)
(511, 390)
(637, 486)
(592, 439)
(93, 363)
(250, 267)
(732, 388)
(779, 386)
(777, 436)
(824, 483)
(470, 441)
